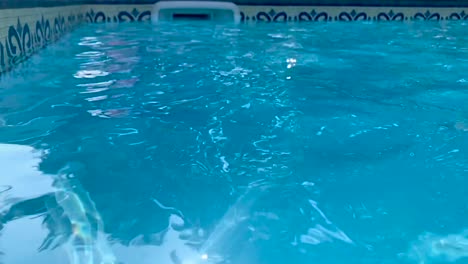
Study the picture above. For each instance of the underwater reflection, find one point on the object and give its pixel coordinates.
(435, 248)
(180, 243)
(67, 212)
(86, 242)
(20, 176)
(23, 192)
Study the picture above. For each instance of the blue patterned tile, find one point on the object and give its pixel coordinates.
(390, 16)
(458, 16)
(272, 16)
(133, 15)
(313, 16)
(24, 39)
(352, 16)
(426, 16)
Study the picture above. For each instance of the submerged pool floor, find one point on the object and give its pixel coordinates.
(302, 143)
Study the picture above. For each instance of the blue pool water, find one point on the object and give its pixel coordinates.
(188, 144)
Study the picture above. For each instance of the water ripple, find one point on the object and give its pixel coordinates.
(277, 144)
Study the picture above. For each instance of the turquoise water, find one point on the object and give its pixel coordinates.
(189, 144)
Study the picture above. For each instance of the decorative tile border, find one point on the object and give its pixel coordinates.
(320, 13)
(255, 14)
(117, 13)
(25, 31)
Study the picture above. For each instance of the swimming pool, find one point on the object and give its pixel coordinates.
(274, 143)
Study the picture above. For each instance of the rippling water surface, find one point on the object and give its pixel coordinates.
(189, 144)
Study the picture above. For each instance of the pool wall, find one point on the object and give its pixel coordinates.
(26, 26)
(24, 31)
(125, 13)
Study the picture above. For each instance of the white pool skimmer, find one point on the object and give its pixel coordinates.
(195, 10)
